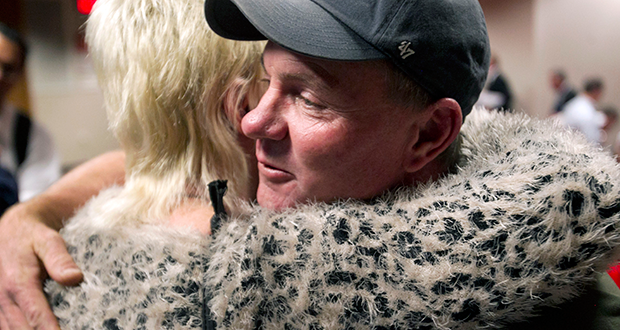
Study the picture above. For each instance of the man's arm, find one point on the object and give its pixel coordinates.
(31, 248)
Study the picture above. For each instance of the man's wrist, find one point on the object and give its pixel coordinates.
(43, 209)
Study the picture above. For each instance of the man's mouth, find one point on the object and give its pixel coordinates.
(273, 173)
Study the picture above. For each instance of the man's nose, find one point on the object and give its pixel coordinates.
(266, 121)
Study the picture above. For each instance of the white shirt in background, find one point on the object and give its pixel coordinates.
(42, 165)
(580, 113)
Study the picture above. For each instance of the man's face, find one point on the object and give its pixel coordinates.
(10, 65)
(325, 130)
(596, 94)
(556, 81)
(249, 145)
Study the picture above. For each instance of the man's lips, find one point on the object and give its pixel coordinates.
(273, 173)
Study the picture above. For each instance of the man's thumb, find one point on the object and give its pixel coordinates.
(57, 261)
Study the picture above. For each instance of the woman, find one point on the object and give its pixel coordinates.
(174, 93)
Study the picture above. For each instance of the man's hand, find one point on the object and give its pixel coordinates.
(31, 248)
(29, 251)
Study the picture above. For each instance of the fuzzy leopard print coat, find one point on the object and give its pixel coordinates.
(531, 214)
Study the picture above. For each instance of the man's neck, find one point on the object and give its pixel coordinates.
(431, 172)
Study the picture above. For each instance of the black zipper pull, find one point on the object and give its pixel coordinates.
(217, 190)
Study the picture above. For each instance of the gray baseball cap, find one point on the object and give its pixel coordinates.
(442, 45)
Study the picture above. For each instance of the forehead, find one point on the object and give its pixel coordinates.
(335, 74)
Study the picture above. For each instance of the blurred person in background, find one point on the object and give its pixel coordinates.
(8, 190)
(563, 90)
(496, 93)
(611, 118)
(28, 150)
(581, 114)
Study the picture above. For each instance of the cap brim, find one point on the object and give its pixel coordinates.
(299, 25)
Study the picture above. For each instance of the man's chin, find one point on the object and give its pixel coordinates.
(274, 200)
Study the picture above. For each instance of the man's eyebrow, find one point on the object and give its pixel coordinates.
(318, 78)
(331, 80)
(326, 76)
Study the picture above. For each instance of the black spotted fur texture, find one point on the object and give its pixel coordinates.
(145, 277)
(531, 214)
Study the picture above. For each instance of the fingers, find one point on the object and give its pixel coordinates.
(17, 319)
(3, 322)
(58, 263)
(24, 306)
(23, 242)
(35, 307)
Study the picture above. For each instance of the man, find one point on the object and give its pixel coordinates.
(354, 114)
(564, 91)
(27, 148)
(323, 138)
(497, 93)
(581, 114)
(315, 111)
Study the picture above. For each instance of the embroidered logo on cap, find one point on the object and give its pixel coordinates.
(405, 51)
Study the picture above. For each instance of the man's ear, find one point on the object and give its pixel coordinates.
(439, 127)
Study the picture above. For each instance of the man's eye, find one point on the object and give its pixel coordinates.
(309, 104)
